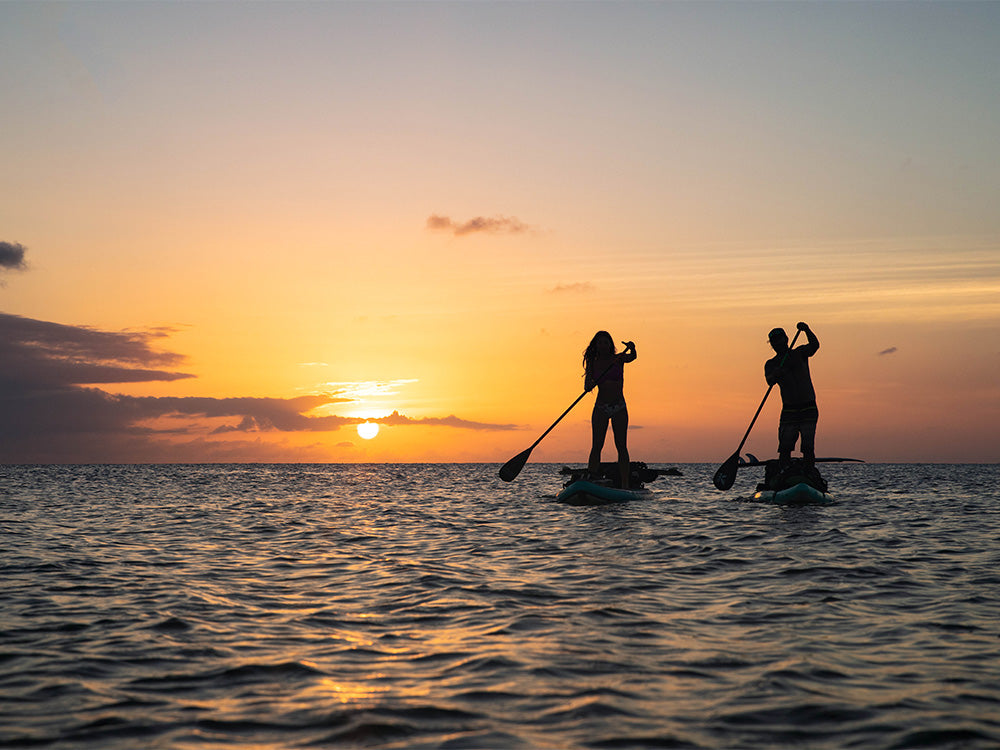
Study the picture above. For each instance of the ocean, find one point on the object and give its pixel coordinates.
(434, 606)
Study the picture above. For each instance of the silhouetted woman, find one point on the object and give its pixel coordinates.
(605, 368)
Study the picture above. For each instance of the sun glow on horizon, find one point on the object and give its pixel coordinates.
(368, 430)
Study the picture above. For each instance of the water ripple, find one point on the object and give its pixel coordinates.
(436, 607)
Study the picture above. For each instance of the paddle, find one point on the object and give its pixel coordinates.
(726, 474)
(509, 471)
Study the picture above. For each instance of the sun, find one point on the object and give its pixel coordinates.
(368, 430)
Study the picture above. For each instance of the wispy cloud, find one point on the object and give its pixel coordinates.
(890, 350)
(934, 279)
(351, 391)
(580, 287)
(397, 419)
(478, 224)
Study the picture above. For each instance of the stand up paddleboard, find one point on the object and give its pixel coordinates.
(797, 494)
(796, 484)
(601, 489)
(583, 492)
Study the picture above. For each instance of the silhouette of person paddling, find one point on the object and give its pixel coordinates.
(605, 368)
(789, 368)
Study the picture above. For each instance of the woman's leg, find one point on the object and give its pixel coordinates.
(619, 425)
(599, 428)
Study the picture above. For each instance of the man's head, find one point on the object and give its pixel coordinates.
(778, 339)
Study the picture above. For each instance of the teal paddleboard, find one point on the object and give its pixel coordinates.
(582, 492)
(799, 494)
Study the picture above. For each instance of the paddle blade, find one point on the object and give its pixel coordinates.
(509, 471)
(725, 475)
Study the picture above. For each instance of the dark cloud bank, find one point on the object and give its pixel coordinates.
(50, 411)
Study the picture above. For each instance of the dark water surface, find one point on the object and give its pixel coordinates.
(434, 606)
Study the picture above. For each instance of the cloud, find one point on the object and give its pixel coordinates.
(51, 413)
(355, 390)
(12, 256)
(580, 287)
(255, 414)
(397, 419)
(890, 350)
(37, 354)
(489, 225)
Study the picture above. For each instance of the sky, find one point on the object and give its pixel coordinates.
(234, 231)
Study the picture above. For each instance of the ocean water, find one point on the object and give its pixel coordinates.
(434, 606)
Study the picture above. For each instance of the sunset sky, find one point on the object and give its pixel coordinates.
(233, 231)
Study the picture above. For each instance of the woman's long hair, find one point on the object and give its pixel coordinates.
(594, 348)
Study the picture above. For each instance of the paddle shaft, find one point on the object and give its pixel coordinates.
(568, 410)
(768, 393)
(513, 467)
(570, 407)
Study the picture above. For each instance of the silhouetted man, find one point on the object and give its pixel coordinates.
(789, 368)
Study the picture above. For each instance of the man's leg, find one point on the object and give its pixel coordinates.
(788, 433)
(808, 444)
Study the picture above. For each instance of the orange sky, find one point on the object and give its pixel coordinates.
(331, 212)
